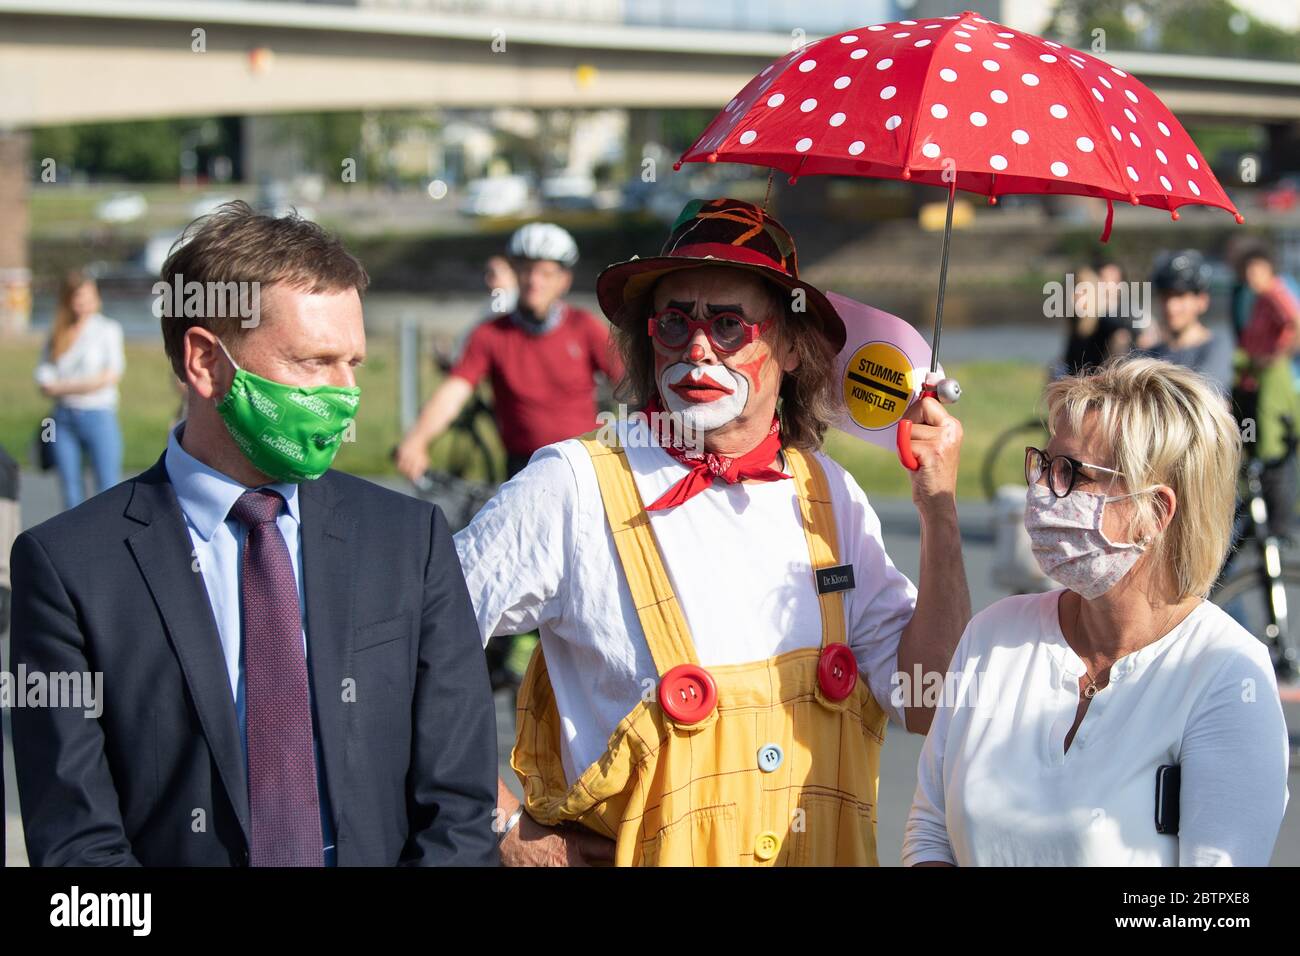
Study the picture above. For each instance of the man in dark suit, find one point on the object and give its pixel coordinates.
(291, 669)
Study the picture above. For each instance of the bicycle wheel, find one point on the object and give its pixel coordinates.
(462, 452)
(1244, 596)
(1004, 462)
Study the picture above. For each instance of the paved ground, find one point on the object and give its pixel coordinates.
(898, 764)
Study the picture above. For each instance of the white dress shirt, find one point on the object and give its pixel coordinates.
(995, 785)
(540, 555)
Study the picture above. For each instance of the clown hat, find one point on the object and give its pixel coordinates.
(719, 232)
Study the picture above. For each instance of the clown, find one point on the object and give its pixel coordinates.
(720, 625)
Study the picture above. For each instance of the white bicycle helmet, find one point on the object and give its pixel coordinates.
(543, 240)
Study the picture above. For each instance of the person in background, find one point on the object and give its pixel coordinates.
(1270, 330)
(10, 525)
(80, 368)
(1182, 286)
(1243, 253)
(503, 297)
(1074, 700)
(502, 284)
(540, 358)
(1081, 349)
(1265, 390)
(1098, 328)
(10, 522)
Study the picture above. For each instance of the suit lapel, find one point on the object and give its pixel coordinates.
(328, 577)
(164, 552)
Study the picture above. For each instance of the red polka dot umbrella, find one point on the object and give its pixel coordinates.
(966, 103)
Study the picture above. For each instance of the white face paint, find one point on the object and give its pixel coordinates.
(706, 396)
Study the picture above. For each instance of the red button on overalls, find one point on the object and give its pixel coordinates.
(688, 694)
(837, 671)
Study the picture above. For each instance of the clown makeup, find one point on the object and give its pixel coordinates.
(706, 396)
(709, 388)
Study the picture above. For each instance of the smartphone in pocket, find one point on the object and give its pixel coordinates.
(1168, 778)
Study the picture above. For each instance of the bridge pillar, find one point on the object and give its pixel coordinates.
(645, 128)
(15, 276)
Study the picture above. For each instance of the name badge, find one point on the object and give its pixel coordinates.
(835, 579)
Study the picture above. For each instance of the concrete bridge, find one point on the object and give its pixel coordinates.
(65, 61)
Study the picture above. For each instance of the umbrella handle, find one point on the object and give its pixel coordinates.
(945, 390)
(905, 434)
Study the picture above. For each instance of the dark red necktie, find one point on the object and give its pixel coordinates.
(282, 796)
(755, 464)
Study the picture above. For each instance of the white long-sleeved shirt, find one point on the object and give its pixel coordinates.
(540, 555)
(995, 785)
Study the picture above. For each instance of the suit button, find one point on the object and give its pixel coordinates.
(767, 845)
(770, 757)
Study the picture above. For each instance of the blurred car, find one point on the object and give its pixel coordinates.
(275, 198)
(122, 207)
(666, 204)
(569, 191)
(155, 252)
(635, 194)
(1284, 195)
(206, 205)
(496, 196)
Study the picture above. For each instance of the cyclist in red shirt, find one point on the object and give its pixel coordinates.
(540, 358)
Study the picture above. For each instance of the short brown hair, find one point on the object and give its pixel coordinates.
(236, 244)
(807, 395)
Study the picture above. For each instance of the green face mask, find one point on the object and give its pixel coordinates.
(288, 432)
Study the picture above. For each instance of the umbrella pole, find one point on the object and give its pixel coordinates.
(943, 279)
(946, 390)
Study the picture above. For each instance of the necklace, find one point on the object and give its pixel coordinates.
(1090, 691)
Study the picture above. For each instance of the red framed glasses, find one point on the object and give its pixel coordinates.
(726, 331)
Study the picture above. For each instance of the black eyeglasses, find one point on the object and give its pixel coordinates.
(1062, 471)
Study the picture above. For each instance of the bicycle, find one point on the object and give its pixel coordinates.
(469, 473)
(467, 477)
(1030, 432)
(1260, 597)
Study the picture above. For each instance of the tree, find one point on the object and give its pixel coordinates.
(1205, 27)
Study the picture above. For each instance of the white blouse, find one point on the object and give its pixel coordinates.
(995, 786)
(97, 349)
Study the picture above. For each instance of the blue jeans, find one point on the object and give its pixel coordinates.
(95, 431)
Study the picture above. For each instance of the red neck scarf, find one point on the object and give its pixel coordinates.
(752, 464)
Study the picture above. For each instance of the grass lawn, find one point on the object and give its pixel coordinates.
(998, 395)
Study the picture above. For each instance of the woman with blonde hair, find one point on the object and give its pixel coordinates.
(80, 368)
(1069, 704)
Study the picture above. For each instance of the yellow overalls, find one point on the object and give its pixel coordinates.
(778, 773)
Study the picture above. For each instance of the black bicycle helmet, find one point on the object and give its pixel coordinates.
(1183, 271)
